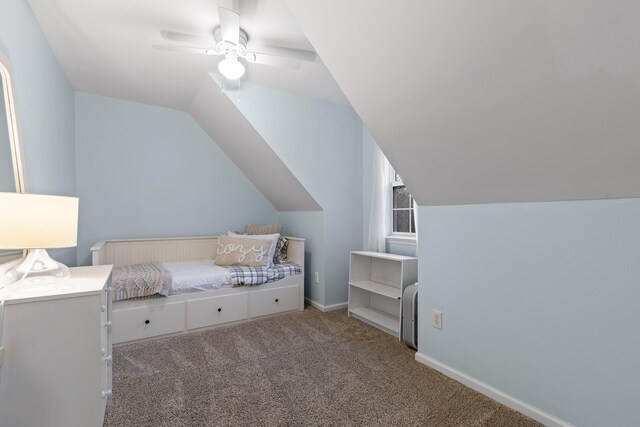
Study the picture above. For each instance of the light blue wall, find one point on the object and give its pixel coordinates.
(146, 171)
(44, 107)
(321, 143)
(540, 300)
(309, 225)
(402, 249)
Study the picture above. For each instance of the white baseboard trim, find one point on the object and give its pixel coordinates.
(493, 393)
(325, 308)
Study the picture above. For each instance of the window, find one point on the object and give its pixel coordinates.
(402, 214)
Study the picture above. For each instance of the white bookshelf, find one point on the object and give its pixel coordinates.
(376, 283)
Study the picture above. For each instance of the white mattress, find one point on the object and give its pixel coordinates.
(199, 275)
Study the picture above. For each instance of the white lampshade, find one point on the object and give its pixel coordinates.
(29, 221)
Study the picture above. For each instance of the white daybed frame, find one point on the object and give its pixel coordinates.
(145, 318)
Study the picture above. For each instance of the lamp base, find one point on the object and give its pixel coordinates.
(37, 268)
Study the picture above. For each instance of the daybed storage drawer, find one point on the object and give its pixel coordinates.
(144, 322)
(216, 310)
(276, 300)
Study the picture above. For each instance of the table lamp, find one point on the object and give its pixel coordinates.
(37, 223)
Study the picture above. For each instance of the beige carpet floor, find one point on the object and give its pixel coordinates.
(302, 369)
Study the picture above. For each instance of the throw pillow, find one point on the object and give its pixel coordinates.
(264, 229)
(280, 255)
(273, 238)
(243, 251)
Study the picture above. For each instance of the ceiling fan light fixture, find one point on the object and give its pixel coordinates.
(231, 68)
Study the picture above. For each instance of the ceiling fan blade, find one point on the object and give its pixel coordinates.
(274, 60)
(303, 55)
(183, 37)
(229, 24)
(187, 49)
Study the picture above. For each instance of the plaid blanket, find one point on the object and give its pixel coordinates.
(280, 271)
(251, 276)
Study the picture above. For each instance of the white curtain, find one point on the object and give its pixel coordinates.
(380, 215)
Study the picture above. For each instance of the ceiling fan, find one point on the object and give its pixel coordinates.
(231, 41)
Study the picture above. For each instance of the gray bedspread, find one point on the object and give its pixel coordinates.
(140, 280)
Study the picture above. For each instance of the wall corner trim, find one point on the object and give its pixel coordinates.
(493, 393)
(325, 308)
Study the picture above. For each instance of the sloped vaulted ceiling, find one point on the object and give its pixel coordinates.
(494, 100)
(105, 48)
(225, 124)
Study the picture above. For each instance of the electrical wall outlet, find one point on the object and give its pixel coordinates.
(316, 277)
(436, 319)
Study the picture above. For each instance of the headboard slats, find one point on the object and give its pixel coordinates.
(138, 251)
(128, 252)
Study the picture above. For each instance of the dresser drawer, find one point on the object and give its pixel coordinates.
(273, 301)
(144, 322)
(216, 310)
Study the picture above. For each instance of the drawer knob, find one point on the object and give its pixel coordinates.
(106, 393)
(277, 300)
(219, 310)
(146, 322)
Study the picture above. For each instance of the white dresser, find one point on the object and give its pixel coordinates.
(57, 367)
